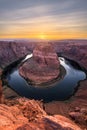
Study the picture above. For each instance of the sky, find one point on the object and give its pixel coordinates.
(43, 19)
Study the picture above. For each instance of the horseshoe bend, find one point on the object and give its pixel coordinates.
(43, 66)
(17, 112)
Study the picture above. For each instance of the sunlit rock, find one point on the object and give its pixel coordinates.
(28, 114)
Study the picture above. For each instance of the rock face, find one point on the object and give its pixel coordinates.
(12, 51)
(73, 49)
(79, 115)
(45, 55)
(43, 67)
(0, 91)
(27, 114)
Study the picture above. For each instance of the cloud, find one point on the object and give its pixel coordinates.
(26, 16)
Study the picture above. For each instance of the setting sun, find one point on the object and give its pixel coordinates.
(42, 36)
(45, 20)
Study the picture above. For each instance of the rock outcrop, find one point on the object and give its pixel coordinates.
(25, 114)
(79, 115)
(0, 91)
(11, 51)
(73, 49)
(43, 66)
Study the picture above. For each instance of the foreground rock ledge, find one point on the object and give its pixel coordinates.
(27, 114)
(43, 66)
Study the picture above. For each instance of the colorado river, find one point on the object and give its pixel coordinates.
(60, 90)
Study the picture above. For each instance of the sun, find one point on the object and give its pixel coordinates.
(42, 36)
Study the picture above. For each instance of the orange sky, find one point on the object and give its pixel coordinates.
(46, 19)
(47, 36)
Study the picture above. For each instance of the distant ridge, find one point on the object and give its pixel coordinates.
(22, 39)
(44, 40)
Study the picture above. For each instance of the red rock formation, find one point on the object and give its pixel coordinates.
(75, 107)
(0, 91)
(45, 55)
(79, 115)
(27, 114)
(51, 123)
(75, 50)
(43, 67)
(12, 51)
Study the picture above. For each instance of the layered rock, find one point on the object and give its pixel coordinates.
(45, 55)
(73, 49)
(11, 52)
(0, 91)
(79, 115)
(27, 114)
(43, 66)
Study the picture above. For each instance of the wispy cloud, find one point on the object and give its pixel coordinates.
(25, 17)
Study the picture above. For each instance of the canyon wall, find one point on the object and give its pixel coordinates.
(12, 51)
(75, 50)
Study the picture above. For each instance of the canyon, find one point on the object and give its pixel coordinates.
(22, 115)
(43, 66)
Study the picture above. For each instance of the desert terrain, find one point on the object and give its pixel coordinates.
(29, 114)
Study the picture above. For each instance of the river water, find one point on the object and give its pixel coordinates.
(59, 90)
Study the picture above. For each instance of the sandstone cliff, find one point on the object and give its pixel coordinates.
(0, 91)
(74, 49)
(12, 51)
(43, 66)
(27, 114)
